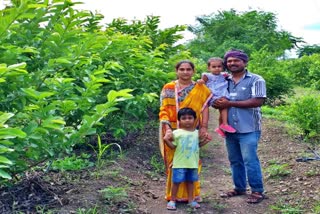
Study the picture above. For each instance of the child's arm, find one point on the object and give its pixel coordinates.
(168, 139)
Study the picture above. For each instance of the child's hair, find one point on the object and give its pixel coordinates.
(186, 111)
(216, 59)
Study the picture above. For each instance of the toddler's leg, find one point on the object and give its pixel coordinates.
(224, 117)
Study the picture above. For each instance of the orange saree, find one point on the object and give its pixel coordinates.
(195, 96)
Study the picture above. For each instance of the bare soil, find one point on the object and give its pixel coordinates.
(138, 172)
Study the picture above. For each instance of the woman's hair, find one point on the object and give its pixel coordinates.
(185, 61)
(213, 59)
(186, 111)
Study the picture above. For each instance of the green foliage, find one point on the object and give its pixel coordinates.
(279, 84)
(275, 170)
(249, 31)
(72, 163)
(7, 133)
(316, 208)
(305, 71)
(303, 112)
(114, 194)
(285, 208)
(102, 149)
(157, 163)
(308, 50)
(93, 210)
(64, 77)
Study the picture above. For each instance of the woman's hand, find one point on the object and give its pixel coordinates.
(204, 136)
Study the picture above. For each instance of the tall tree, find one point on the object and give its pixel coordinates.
(249, 31)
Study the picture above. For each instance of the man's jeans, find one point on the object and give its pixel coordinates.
(244, 161)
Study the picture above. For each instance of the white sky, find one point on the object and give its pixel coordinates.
(300, 18)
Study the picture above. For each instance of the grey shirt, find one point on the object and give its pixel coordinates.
(246, 120)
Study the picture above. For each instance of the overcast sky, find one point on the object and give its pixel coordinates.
(301, 18)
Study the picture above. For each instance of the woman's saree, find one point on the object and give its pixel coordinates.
(195, 96)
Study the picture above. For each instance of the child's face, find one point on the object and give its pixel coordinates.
(186, 121)
(215, 67)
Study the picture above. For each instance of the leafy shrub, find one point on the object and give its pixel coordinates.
(304, 112)
(64, 77)
(72, 163)
(278, 170)
(114, 194)
(305, 71)
(279, 83)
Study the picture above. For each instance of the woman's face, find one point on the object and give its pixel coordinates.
(185, 71)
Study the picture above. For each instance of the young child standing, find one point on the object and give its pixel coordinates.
(216, 82)
(186, 156)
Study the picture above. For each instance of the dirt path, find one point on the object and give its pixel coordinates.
(137, 183)
(215, 178)
(296, 192)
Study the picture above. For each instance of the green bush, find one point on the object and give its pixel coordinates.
(304, 113)
(72, 163)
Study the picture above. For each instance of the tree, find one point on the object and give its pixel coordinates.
(308, 50)
(249, 31)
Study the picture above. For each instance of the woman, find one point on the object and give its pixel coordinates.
(175, 95)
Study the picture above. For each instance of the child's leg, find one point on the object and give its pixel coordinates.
(171, 205)
(190, 187)
(223, 119)
(174, 190)
(191, 178)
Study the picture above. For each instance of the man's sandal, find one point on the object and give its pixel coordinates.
(171, 205)
(231, 193)
(256, 197)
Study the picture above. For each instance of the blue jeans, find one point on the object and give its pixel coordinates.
(244, 161)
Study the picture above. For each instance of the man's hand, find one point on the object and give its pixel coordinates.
(221, 103)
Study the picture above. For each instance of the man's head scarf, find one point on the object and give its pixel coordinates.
(236, 54)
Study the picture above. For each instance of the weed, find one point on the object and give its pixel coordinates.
(101, 150)
(93, 210)
(316, 208)
(284, 208)
(157, 164)
(312, 172)
(72, 163)
(218, 206)
(226, 170)
(114, 194)
(278, 170)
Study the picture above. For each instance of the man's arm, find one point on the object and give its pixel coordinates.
(250, 103)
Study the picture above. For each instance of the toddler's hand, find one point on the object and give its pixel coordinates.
(201, 81)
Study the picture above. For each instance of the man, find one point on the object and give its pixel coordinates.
(247, 92)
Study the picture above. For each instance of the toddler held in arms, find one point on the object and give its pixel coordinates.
(216, 82)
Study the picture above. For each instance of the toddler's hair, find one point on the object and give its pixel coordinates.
(215, 59)
(186, 111)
